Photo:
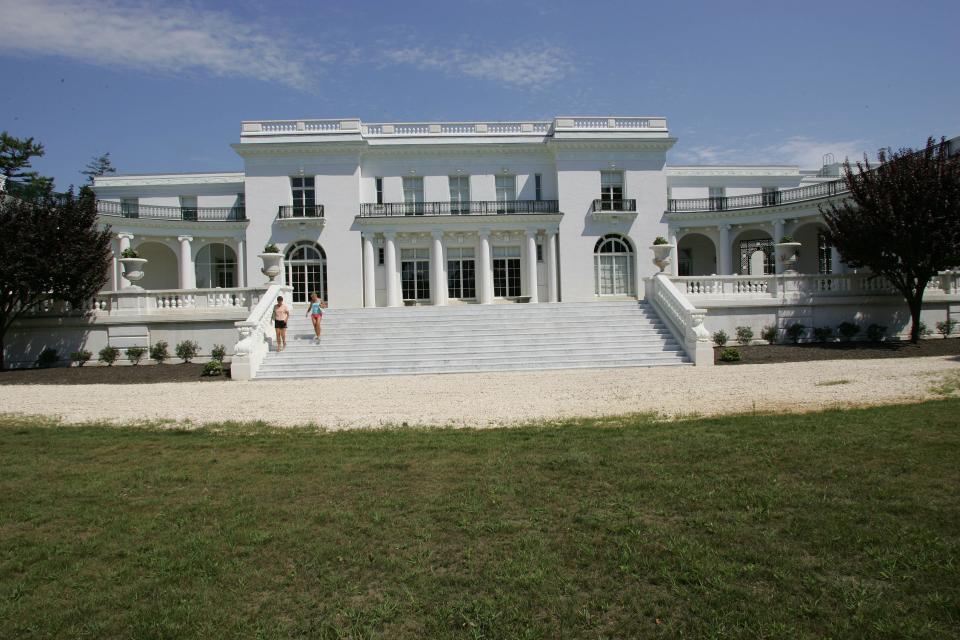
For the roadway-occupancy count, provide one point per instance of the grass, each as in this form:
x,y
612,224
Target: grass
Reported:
x,y
842,524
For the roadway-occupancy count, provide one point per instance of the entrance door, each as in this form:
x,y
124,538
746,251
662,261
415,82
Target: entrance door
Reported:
x,y
415,274
613,267
461,274
506,272
306,266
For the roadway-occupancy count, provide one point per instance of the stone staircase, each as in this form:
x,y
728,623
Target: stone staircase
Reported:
x,y
471,338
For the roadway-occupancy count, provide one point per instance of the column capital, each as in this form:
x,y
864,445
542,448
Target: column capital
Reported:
x,y
185,238
390,235
366,234
723,227
484,233
125,236
437,235
530,233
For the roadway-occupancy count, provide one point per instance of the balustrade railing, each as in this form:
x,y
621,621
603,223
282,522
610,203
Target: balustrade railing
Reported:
x,y
158,212
804,285
685,320
252,334
465,208
755,200
300,211
153,302
600,204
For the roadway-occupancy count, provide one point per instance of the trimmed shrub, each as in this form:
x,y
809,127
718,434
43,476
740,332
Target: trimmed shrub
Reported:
x,y
876,333
744,335
924,329
730,354
848,330
659,240
81,357
218,353
946,327
135,354
795,332
213,368
271,248
187,350
109,355
720,338
769,333
129,253
822,334
158,352
47,358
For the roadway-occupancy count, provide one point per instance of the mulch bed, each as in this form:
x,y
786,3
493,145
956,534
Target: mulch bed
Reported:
x,y
182,372
764,354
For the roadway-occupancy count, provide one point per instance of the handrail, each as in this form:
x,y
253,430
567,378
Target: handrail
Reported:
x,y
684,320
471,207
300,211
162,212
628,205
252,345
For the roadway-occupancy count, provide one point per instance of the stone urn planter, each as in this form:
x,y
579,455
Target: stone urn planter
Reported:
x,y
787,253
133,271
662,254
271,265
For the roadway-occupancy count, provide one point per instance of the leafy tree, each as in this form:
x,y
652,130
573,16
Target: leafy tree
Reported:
x,y
901,220
50,249
98,166
15,159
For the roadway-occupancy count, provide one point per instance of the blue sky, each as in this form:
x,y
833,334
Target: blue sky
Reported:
x,y
163,86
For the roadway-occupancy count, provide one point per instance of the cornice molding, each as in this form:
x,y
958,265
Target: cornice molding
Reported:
x,y
170,179
732,172
119,225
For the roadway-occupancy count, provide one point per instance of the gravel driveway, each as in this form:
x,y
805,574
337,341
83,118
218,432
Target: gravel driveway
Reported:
x,y
482,400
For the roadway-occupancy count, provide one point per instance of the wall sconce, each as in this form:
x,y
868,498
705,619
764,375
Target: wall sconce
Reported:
x,y
412,172
379,241
613,165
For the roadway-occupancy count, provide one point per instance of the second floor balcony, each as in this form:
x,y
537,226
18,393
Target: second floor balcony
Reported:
x,y
158,212
301,215
758,200
463,208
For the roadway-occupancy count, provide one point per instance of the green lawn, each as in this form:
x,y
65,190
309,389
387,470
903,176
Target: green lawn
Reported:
x,y
844,524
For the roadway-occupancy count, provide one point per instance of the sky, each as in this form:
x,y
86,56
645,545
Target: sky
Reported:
x,y
163,86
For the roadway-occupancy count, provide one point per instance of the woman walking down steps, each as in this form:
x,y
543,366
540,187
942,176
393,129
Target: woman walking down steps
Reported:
x,y
315,311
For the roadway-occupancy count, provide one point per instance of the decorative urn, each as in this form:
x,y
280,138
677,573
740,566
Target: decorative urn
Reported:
x,y
662,254
271,264
787,251
133,271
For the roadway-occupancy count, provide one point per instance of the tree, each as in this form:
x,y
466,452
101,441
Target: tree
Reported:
x,y
901,220
15,158
50,249
98,166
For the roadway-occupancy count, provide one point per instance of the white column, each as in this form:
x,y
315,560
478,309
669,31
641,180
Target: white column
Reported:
x,y
188,278
369,284
390,262
777,237
551,257
437,264
486,272
241,263
124,239
724,268
532,265
672,239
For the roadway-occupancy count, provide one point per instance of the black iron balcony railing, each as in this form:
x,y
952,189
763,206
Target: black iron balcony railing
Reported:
x,y
157,212
300,211
602,204
465,208
756,200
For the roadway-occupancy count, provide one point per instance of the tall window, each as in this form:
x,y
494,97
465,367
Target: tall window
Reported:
x,y
304,197
216,266
824,254
538,187
415,274
461,273
769,196
718,196
413,196
613,266
130,207
306,265
188,207
379,184
506,193
506,272
239,207
459,194
611,190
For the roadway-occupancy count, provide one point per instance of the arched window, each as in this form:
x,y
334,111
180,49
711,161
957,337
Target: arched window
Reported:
x,y
306,265
613,267
216,266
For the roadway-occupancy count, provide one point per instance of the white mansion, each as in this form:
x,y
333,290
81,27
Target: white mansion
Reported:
x,y
458,213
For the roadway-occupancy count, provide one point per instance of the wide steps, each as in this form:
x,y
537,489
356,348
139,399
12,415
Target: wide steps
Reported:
x,y
474,338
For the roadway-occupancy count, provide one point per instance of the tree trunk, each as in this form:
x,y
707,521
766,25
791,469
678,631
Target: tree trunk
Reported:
x,y
915,303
